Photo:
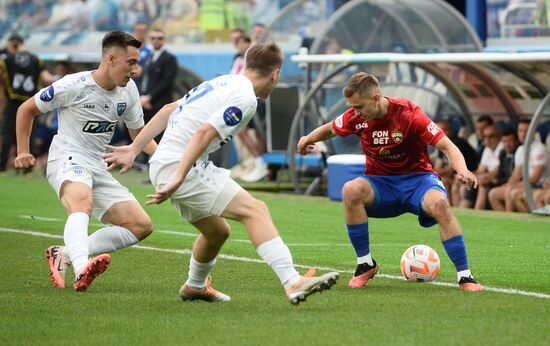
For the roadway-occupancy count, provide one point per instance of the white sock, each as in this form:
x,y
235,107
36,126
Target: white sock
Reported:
x,y
198,272
109,239
463,273
277,255
365,259
76,240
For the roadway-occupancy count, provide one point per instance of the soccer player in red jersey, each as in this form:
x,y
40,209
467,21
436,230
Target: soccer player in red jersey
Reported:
x,y
399,177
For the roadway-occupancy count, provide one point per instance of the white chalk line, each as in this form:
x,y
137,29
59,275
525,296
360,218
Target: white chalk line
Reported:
x,y
255,260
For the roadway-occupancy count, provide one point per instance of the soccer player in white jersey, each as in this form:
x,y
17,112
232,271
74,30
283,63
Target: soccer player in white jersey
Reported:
x,y
89,105
196,125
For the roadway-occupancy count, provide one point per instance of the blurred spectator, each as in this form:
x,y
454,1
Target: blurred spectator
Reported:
x,y
476,139
509,196
510,143
243,43
21,74
130,13
258,33
542,199
212,15
140,30
486,171
160,74
102,15
441,164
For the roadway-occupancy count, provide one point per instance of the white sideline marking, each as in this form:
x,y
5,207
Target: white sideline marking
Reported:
x,y
255,260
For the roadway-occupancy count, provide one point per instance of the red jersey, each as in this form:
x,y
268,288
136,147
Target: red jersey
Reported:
x,y
396,144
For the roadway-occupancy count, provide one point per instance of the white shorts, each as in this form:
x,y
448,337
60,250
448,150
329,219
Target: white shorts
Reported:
x,y
106,190
206,191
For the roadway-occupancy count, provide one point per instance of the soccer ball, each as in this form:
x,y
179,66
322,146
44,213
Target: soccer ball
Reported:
x,y
420,263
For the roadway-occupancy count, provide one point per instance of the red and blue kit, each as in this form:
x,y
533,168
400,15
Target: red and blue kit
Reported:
x,y
396,144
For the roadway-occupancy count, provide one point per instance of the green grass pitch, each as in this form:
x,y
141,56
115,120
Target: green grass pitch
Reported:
x,y
136,301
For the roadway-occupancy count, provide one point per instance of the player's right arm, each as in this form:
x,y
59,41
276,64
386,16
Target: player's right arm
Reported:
x,y
25,118
124,156
322,133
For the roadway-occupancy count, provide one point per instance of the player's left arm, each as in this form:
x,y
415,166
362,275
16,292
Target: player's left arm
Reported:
x,y
197,145
150,147
457,162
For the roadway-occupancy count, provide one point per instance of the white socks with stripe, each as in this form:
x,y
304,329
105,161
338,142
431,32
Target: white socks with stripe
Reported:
x,y
277,255
75,236
109,239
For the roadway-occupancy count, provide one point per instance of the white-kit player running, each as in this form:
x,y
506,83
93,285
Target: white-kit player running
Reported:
x,y
203,194
89,105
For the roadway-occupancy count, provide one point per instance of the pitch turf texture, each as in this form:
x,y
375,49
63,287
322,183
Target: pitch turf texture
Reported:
x,y
136,301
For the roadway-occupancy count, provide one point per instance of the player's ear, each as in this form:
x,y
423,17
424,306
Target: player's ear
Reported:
x,y
275,74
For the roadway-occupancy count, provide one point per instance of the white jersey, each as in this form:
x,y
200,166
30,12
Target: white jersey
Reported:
x,y
227,103
88,114
537,157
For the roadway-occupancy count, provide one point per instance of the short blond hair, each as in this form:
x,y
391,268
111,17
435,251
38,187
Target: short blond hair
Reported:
x,y
361,82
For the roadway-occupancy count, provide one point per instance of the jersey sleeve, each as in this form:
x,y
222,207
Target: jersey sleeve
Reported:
x,y
233,115
132,113
344,124
425,128
54,96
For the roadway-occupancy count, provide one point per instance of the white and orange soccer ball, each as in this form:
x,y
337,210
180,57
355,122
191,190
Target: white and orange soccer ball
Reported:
x,y
420,263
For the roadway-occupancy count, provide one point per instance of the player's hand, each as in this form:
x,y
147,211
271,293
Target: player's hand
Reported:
x,y
303,147
24,160
468,179
163,193
119,157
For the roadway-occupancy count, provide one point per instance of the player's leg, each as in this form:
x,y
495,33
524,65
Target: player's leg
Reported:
x,y
214,232
357,196
436,205
115,205
255,216
76,198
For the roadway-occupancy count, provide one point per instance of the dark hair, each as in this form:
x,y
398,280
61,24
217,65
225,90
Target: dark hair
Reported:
x,y
361,82
239,30
119,39
524,121
264,58
16,39
244,38
485,118
510,132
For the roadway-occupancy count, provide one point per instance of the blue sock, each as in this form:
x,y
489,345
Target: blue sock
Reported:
x,y
359,236
456,249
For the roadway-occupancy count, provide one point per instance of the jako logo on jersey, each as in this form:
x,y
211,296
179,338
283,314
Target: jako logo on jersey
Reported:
x,y
232,116
120,108
99,126
397,136
89,106
433,128
47,95
361,126
339,121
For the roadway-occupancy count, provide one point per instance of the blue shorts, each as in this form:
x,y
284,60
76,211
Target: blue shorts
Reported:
x,y
398,194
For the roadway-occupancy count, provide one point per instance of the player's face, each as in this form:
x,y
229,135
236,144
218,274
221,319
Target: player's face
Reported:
x,y
125,65
365,107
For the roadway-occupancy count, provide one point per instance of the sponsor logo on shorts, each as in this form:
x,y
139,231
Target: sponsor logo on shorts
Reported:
x,y
232,116
99,126
47,95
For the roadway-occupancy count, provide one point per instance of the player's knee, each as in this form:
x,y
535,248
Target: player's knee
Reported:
x,y
142,227
223,233
352,193
439,208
